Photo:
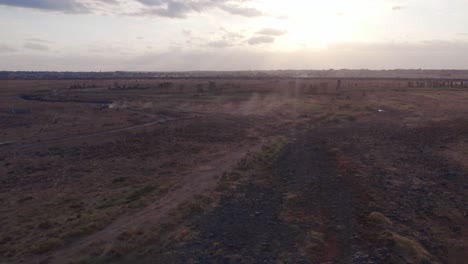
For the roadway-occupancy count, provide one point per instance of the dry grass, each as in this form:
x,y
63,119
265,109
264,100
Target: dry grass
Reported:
x,y
175,229
459,153
317,238
407,250
46,245
379,219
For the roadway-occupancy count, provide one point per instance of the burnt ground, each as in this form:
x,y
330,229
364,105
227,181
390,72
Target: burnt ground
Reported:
x,y
360,176
282,213
374,192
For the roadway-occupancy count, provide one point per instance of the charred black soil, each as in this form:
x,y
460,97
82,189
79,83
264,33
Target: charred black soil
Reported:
x,y
373,192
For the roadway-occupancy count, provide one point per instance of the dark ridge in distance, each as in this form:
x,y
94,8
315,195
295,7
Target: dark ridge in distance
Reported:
x,y
274,74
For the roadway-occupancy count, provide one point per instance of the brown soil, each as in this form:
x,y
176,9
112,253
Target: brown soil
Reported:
x,y
177,173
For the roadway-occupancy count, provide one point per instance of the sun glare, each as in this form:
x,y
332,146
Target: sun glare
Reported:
x,y
317,24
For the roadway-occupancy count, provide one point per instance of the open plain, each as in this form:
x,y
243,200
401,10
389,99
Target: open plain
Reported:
x,y
233,171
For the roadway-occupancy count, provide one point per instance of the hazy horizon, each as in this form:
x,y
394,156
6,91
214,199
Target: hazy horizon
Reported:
x,y
232,35
251,70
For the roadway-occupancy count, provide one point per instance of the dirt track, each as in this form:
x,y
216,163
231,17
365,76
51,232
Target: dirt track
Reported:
x,y
201,181
254,228
317,202
31,143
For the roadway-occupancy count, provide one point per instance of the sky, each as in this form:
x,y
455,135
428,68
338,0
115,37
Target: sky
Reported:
x,y
186,35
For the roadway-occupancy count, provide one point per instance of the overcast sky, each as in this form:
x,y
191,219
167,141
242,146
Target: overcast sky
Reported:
x,y
166,35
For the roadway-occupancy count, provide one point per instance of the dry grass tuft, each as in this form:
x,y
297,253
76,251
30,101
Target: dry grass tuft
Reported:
x,y
379,219
407,250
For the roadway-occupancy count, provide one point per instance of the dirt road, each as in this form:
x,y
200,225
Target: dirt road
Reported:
x,y
201,181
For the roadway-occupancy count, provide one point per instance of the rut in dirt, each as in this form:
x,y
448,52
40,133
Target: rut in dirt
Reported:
x,y
310,168
259,224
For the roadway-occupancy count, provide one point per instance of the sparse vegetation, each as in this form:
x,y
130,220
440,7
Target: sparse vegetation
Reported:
x,y
406,249
379,219
263,158
174,171
46,245
316,238
138,194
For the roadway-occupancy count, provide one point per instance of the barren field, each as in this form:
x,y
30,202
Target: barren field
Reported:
x,y
233,171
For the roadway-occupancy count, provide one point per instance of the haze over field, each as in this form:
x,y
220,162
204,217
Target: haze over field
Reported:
x,y
233,131
82,35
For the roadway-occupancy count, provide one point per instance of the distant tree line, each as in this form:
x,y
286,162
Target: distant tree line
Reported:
x,y
82,86
117,86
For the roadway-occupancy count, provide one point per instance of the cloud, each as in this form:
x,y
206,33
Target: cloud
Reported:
x,y
175,9
241,11
163,8
36,46
219,44
67,6
430,46
433,54
6,48
110,48
227,39
38,40
231,36
151,2
181,8
271,32
218,39
261,40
